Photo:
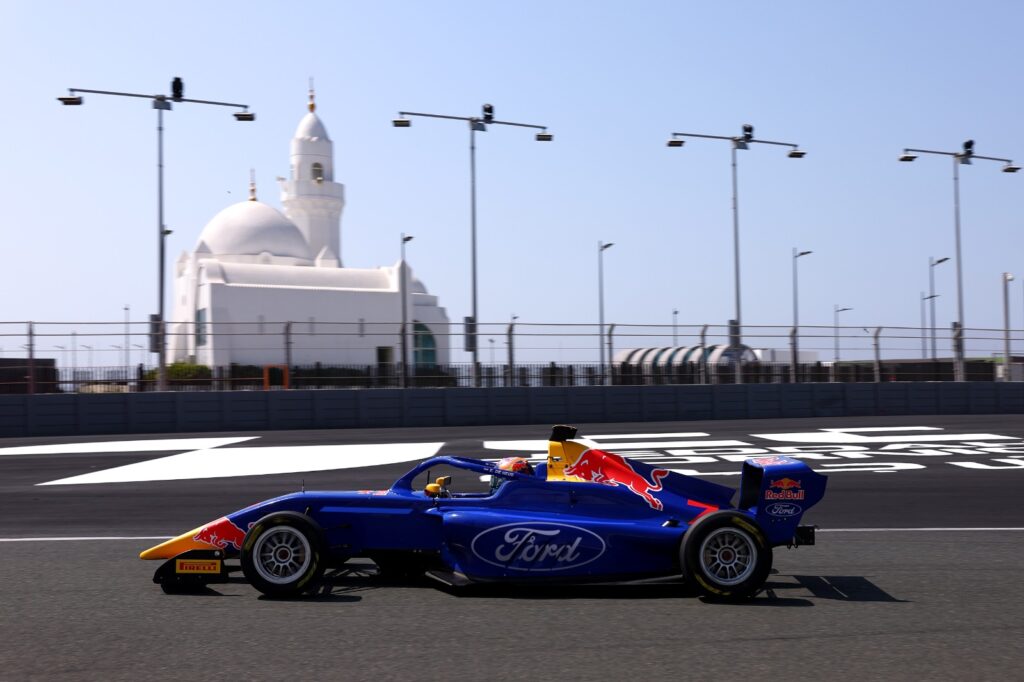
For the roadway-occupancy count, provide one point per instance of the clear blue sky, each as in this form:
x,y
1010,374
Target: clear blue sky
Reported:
x,y
851,82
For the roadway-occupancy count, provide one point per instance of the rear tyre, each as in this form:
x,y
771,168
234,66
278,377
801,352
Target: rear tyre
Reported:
x,y
726,557
282,555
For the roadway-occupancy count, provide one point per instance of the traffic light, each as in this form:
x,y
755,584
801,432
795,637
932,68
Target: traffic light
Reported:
x,y
488,113
177,89
748,132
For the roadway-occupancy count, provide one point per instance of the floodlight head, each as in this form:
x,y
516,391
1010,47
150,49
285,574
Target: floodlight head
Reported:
x,y
804,253
748,132
177,89
1008,276
70,101
796,154
968,147
607,246
907,156
406,238
544,136
401,122
488,110
1010,168
245,116
676,142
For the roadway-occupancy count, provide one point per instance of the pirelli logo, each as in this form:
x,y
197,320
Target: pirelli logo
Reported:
x,y
202,566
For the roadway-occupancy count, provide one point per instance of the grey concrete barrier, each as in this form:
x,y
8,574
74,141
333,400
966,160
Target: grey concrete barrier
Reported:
x,y
125,413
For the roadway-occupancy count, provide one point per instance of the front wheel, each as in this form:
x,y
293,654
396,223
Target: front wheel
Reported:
x,y
726,555
282,555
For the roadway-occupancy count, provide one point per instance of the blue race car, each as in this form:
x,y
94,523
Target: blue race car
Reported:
x,y
585,515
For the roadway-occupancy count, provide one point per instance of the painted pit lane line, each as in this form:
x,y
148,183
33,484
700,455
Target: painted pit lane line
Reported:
x,y
819,530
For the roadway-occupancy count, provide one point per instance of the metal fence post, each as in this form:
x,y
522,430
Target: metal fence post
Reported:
x,y
878,356
703,367
288,346
31,360
792,354
611,370
511,355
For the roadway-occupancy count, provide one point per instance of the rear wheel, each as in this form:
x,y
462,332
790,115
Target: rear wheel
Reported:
x,y
726,556
282,555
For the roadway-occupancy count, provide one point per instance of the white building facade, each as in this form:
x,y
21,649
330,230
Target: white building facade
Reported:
x,y
264,287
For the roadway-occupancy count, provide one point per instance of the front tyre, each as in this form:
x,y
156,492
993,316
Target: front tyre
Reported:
x,y
726,556
282,555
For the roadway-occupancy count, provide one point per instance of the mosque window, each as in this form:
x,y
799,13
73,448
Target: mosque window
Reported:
x,y
425,346
201,327
318,172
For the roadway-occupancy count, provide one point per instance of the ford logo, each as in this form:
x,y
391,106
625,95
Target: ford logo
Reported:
x,y
537,546
783,509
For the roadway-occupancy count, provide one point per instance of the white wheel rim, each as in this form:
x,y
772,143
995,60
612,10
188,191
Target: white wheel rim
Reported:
x,y
281,555
728,556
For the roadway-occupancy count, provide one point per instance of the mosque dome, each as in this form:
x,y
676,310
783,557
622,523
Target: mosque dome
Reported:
x,y
311,128
250,228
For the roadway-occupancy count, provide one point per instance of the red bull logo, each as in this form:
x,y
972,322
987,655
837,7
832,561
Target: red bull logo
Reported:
x,y
788,489
220,534
604,467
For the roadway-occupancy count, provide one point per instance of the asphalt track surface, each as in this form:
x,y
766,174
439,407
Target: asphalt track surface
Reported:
x,y
877,598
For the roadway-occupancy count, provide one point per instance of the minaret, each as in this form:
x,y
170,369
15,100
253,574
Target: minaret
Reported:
x,y
310,197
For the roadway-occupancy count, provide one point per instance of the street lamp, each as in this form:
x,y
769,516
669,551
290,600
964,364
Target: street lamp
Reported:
x,y
797,254
737,142
1007,278
964,156
835,328
601,247
476,124
402,277
932,262
161,103
924,347
675,317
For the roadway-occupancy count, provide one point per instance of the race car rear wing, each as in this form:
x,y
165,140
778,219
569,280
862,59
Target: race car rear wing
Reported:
x,y
777,491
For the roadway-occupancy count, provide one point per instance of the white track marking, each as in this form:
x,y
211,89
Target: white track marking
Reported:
x,y
257,461
158,445
912,530
819,530
602,436
89,538
832,436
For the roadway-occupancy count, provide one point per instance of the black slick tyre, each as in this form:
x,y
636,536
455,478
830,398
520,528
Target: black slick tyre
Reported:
x,y
725,556
283,555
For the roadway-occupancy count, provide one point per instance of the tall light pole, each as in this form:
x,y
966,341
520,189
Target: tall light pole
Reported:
x,y
601,247
402,277
161,103
675,334
737,142
797,254
835,327
476,123
964,156
127,346
924,346
1007,278
932,262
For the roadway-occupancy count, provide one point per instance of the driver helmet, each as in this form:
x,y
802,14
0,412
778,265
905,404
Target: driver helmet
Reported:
x,y
519,465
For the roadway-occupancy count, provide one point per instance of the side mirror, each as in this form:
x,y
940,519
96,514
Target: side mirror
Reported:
x,y
444,481
432,489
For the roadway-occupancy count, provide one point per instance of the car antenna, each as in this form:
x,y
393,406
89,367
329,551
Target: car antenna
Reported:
x,y
303,485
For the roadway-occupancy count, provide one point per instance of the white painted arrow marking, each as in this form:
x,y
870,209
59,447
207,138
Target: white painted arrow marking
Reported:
x,y
258,462
155,445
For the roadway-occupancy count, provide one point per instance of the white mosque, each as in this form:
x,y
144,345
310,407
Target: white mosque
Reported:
x,y
263,288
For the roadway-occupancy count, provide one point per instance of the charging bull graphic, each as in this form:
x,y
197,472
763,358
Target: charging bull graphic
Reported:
x,y
604,467
220,534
